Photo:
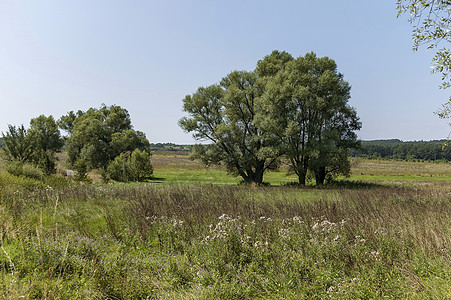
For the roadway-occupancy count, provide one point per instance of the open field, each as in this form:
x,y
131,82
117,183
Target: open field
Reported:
x,y
178,168
210,238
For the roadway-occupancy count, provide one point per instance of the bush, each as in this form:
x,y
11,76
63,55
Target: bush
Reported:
x,y
135,166
81,169
19,168
47,162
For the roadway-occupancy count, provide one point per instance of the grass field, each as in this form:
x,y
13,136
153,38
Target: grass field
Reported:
x,y
178,168
194,233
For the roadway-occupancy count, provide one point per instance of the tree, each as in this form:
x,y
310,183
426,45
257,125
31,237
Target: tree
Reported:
x,y
37,145
432,27
293,107
44,134
305,108
17,146
98,136
224,115
67,122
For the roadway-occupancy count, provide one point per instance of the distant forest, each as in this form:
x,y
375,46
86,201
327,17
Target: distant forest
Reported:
x,y
397,149
162,147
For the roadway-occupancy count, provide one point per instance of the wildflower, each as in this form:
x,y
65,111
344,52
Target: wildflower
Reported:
x,y
315,226
331,289
297,220
284,233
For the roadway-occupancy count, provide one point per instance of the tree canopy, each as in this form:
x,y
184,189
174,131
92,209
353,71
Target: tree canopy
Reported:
x,y
224,115
98,136
17,146
36,145
305,105
292,107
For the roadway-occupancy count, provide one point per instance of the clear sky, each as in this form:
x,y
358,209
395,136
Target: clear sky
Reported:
x,y
57,56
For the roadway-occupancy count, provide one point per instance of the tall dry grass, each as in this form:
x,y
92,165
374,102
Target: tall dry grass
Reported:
x,y
349,241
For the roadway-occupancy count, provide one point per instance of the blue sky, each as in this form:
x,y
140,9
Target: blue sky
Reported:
x,y
57,56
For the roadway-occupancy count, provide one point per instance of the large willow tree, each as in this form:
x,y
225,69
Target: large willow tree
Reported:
x,y
292,107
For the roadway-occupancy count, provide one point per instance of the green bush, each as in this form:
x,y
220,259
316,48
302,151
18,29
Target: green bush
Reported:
x,y
81,169
47,162
135,166
18,168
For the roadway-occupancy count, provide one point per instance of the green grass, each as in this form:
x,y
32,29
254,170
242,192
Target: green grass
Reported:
x,y
178,169
398,178
225,242
213,176
194,233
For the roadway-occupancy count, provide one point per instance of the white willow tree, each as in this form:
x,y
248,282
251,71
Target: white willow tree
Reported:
x,y
292,107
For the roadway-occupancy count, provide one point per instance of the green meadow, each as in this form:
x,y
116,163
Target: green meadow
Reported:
x,y
198,233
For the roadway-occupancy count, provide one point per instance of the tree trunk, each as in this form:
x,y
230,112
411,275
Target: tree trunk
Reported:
x,y
301,177
320,175
301,170
251,176
258,179
258,173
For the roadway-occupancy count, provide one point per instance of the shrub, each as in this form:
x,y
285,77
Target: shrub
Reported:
x,y
19,168
81,169
47,162
135,166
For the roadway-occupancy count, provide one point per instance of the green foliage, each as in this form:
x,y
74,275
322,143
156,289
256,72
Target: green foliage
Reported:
x,y
67,122
432,27
99,135
224,114
135,166
19,168
36,145
17,145
396,149
305,108
81,169
44,134
297,107
46,161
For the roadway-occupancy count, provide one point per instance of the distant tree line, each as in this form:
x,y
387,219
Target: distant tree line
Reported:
x,y
170,147
397,149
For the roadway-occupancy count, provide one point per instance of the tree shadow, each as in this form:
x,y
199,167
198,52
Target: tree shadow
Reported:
x,y
156,179
343,184
354,184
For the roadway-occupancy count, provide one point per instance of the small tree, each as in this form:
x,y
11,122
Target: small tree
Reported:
x,y
98,136
17,146
81,170
46,140
140,164
36,145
